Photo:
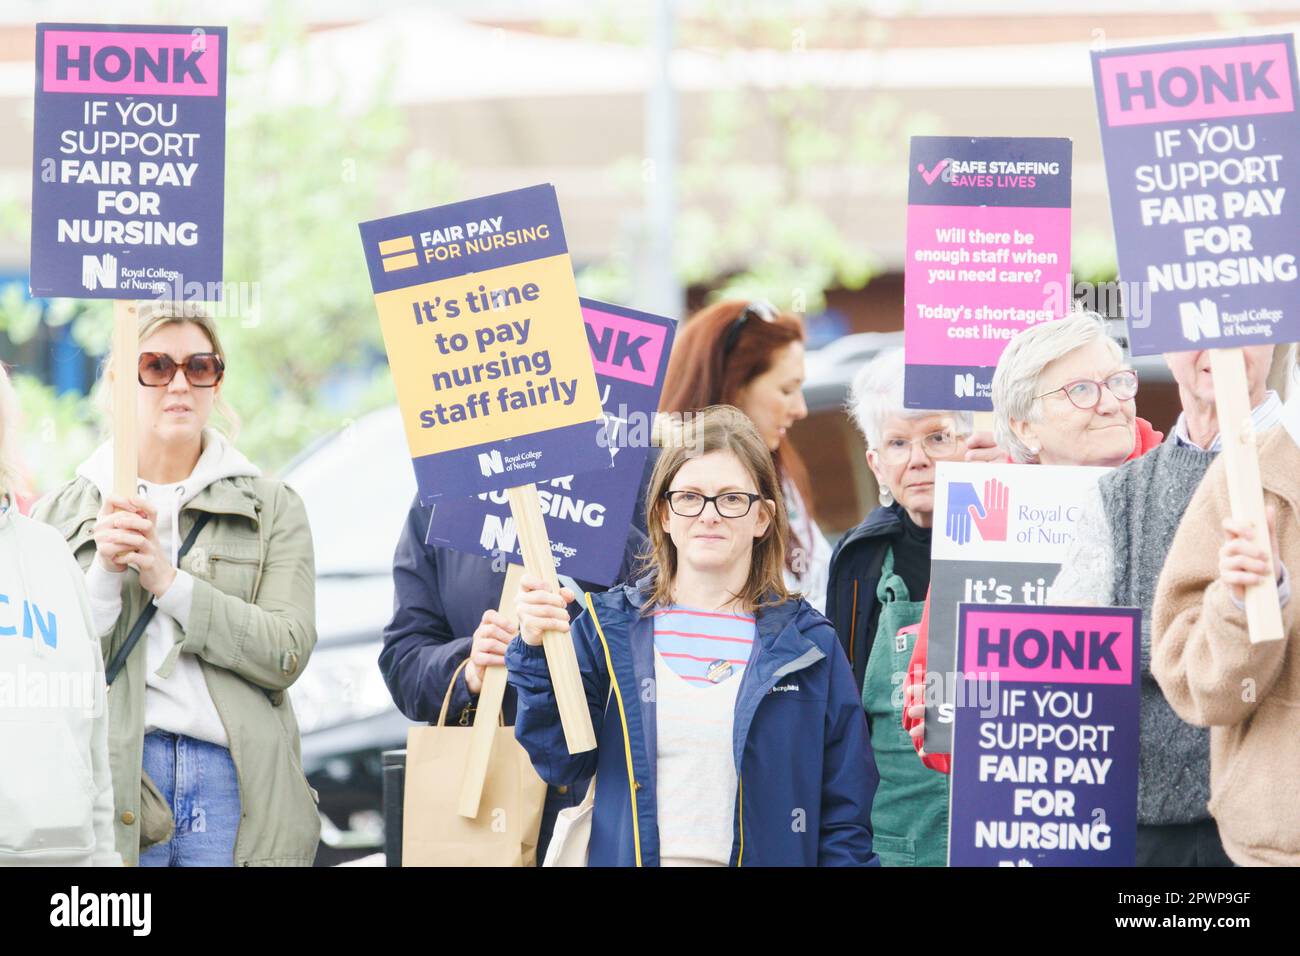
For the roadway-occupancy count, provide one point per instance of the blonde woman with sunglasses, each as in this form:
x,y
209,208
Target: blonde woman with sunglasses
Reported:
x,y
202,592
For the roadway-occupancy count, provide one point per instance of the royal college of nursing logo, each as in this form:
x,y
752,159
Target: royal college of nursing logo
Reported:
x,y
988,514
1200,320
99,272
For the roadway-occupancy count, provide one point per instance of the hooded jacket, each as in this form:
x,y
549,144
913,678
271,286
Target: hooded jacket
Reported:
x,y
56,791
806,774
251,627
179,703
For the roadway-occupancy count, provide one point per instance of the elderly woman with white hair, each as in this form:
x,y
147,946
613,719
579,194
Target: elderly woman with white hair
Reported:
x,y
56,791
1063,395
879,575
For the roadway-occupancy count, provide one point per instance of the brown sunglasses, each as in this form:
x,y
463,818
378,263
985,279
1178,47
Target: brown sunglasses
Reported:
x,y
202,369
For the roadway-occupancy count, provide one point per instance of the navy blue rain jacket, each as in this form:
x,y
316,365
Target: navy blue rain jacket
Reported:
x,y
807,777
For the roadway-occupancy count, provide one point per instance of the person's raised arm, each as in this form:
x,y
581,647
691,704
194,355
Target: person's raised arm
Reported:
x,y
1201,653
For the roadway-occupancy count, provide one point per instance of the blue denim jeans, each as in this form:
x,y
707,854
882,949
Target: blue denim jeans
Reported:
x,y
198,781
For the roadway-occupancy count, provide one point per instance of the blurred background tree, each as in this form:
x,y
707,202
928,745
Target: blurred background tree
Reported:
x,y
750,230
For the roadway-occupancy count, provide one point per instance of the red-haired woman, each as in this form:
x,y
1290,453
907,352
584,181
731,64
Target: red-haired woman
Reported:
x,y
749,355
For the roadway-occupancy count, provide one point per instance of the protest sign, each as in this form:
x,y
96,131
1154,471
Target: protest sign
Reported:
x,y
128,169
1001,532
988,256
494,378
485,339
128,178
1196,137
589,514
1045,754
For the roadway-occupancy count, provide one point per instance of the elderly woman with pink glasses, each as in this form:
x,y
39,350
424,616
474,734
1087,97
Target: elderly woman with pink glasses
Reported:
x,y
1062,395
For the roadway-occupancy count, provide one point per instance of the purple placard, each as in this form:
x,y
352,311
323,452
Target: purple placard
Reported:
x,y
1045,743
1199,140
587,515
988,256
129,152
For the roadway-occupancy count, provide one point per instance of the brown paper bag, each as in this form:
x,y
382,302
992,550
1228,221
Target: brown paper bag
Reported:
x,y
510,813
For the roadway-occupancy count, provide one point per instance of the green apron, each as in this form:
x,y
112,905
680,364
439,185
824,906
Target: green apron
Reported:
x,y
909,815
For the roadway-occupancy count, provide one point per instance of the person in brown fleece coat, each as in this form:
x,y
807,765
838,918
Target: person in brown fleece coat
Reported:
x,y
1210,672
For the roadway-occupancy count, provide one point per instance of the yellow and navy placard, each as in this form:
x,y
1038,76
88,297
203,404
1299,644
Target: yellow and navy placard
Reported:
x,y
486,341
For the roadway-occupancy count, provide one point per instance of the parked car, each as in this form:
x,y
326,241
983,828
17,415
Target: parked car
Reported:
x,y
357,485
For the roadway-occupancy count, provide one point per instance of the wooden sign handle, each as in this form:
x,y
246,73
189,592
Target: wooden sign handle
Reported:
x,y
490,698
570,697
1245,493
126,344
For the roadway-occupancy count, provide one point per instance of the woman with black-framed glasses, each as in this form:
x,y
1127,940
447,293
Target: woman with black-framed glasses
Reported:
x,y
202,593
727,722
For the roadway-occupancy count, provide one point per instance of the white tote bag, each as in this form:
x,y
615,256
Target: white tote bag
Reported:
x,y
572,834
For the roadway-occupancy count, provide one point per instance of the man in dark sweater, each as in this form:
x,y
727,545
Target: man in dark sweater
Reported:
x,y
1124,532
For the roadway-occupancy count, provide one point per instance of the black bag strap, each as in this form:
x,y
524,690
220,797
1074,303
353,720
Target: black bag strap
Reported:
x,y
119,659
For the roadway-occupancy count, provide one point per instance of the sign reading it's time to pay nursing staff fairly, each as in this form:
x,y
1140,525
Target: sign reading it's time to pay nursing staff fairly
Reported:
x,y
128,161
485,338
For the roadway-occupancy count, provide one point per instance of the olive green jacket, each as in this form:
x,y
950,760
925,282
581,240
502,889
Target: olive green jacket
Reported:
x,y
252,626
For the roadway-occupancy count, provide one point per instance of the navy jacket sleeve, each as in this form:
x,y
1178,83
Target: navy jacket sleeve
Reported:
x,y
832,593
420,650
537,718
849,775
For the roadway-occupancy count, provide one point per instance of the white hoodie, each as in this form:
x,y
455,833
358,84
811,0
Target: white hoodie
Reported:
x,y
56,789
179,703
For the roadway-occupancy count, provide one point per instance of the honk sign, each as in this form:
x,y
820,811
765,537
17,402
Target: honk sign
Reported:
x,y
1200,140
1045,754
485,338
128,170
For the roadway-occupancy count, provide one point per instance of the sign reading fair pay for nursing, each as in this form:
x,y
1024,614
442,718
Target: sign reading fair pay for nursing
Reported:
x,y
485,338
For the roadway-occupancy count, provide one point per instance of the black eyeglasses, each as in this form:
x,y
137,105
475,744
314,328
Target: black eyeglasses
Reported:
x,y
760,310
1085,393
729,504
202,369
